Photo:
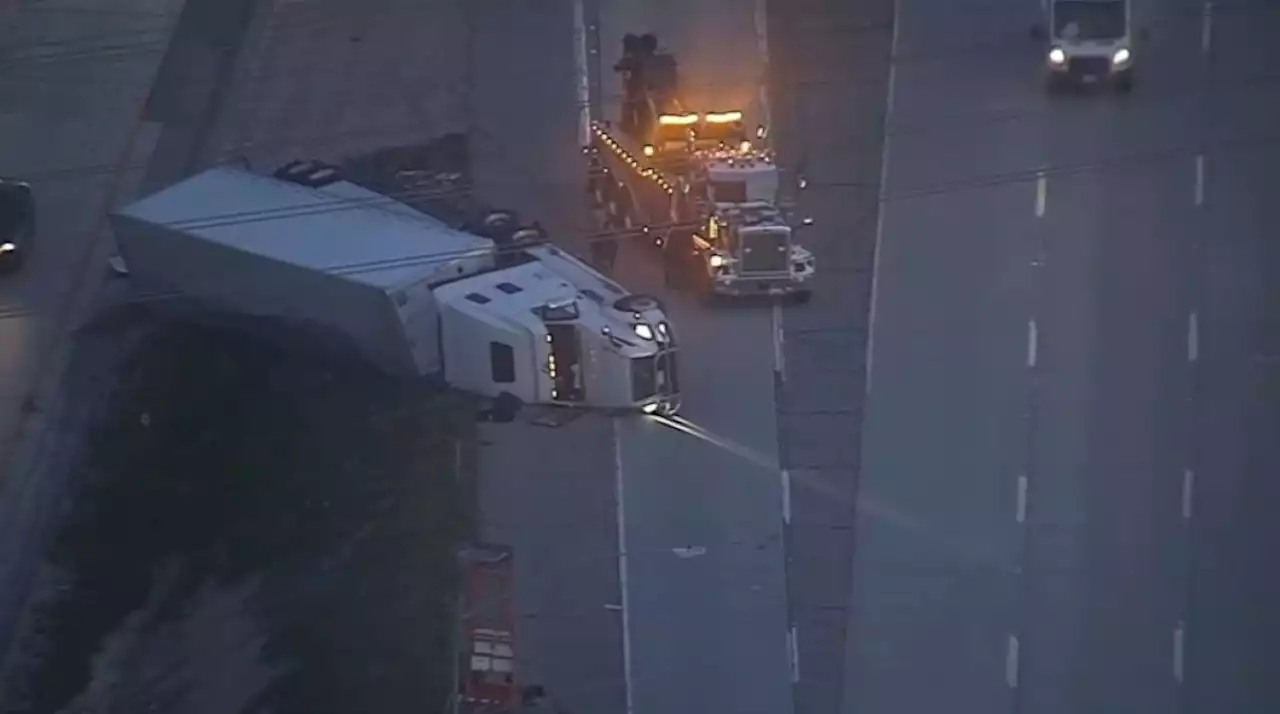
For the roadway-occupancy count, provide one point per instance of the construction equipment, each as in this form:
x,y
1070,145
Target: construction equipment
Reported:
x,y
495,309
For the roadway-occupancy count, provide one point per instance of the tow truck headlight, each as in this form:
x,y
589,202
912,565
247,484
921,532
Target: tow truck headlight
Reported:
x,y
650,408
716,261
648,150
643,330
7,247
1121,57
1057,57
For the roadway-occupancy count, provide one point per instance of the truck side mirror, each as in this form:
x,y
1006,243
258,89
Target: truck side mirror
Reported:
x,y
1038,32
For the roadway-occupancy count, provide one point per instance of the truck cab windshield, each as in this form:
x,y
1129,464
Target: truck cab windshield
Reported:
x,y
1082,20
653,376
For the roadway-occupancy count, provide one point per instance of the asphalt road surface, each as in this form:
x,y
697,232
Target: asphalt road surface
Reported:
x,y
828,66
1068,423
703,518
73,81
1233,626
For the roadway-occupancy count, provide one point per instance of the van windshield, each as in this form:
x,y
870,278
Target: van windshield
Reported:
x,y
1089,20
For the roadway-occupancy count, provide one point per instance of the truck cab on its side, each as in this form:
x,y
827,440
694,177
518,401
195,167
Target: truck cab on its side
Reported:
x,y
1088,42
551,330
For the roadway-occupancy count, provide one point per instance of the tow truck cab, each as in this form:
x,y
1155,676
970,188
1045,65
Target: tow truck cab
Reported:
x,y
750,250
1088,42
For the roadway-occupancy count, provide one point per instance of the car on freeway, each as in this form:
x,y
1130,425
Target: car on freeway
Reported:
x,y
17,223
1088,43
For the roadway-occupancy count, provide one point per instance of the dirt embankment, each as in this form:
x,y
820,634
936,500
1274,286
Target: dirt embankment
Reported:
x,y
254,531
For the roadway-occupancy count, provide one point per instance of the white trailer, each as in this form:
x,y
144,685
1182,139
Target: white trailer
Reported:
x,y
411,294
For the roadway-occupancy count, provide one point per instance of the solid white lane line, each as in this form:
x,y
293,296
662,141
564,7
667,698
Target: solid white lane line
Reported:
x,y
1021,514
793,653
786,496
620,504
1042,193
1206,28
1193,338
1011,662
779,353
1188,488
760,19
1033,343
1179,644
1200,179
884,185
581,72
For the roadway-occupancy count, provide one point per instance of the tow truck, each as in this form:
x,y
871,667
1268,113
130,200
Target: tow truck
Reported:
x,y
746,244
696,185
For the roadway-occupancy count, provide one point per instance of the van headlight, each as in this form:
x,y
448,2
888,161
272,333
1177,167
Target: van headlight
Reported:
x,y
716,260
1057,57
1121,57
643,330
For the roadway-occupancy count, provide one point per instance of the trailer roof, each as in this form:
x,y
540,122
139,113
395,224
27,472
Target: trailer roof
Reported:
x,y
341,228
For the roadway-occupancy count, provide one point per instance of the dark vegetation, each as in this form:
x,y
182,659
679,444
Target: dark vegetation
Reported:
x,y
337,490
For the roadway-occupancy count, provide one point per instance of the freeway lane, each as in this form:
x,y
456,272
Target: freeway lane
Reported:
x,y
944,435
708,631
1105,573
1233,625
1076,611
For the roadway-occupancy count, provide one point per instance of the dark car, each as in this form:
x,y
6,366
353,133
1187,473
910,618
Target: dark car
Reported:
x,y
17,223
